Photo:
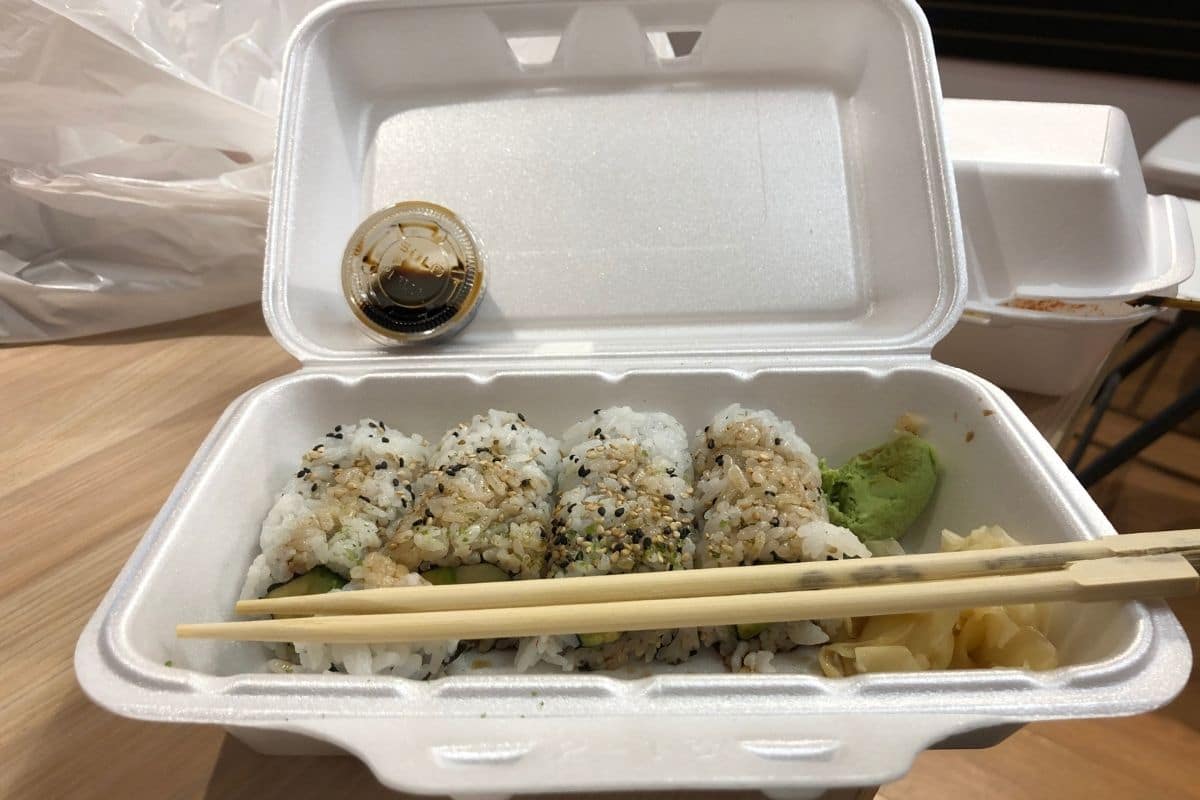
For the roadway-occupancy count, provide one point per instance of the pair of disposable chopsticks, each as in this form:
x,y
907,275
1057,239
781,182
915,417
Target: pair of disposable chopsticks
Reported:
x,y
1130,567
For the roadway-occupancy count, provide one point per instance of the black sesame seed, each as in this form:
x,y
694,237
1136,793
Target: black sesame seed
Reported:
x,y
370,424
720,460
337,427
596,432
337,466
520,416
711,444
482,449
364,499
596,411
332,436
570,508
601,511
769,493
620,512
685,530
400,462
525,483
513,426
671,471
669,496
395,481
774,522
583,472
300,474
385,440
778,441
338,436
313,488
618,547
441,488
381,465
560,540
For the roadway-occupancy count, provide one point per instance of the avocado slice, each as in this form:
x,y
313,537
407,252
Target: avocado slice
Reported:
x,y
317,580
748,630
480,573
467,573
441,576
597,639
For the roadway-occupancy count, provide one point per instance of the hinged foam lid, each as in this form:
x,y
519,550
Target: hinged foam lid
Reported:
x,y
782,190
1054,205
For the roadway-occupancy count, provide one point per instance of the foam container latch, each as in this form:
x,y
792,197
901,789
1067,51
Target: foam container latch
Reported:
x,y
770,219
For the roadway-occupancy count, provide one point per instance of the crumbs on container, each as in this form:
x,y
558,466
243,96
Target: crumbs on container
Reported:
x,y
480,663
987,412
970,436
911,422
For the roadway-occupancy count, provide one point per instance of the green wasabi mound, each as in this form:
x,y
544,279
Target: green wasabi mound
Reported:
x,y
879,493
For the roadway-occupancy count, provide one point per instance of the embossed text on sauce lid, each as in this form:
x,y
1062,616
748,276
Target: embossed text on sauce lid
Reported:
x,y
412,272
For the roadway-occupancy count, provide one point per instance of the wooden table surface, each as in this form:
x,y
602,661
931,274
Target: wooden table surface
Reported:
x,y
100,430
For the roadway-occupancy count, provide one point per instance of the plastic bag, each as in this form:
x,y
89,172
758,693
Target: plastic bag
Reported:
x,y
135,156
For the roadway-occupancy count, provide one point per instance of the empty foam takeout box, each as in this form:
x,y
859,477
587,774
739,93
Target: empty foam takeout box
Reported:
x,y
770,220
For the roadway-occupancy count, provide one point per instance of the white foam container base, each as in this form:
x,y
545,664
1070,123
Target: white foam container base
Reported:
x,y
693,727
1051,353
812,276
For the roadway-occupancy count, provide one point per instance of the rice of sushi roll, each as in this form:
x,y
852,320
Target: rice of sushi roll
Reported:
x,y
323,533
486,500
628,508
659,436
759,493
350,488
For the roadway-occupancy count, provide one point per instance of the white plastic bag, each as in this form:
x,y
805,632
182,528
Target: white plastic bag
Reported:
x,y
135,157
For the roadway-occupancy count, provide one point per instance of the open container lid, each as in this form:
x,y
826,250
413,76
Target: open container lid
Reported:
x,y
782,189
1054,205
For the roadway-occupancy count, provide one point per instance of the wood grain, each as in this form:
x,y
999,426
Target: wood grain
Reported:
x,y
99,431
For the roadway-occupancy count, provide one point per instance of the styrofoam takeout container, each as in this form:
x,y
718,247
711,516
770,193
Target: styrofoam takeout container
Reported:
x,y
1054,205
800,251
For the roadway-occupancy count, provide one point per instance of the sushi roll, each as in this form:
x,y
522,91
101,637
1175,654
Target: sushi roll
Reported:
x,y
348,491
323,534
628,508
760,501
482,512
759,495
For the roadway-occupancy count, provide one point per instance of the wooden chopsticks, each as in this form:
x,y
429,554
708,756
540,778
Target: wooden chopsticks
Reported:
x,y
728,580
1131,578
1134,566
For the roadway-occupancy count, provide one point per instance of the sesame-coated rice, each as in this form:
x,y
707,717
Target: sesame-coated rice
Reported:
x,y
488,499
